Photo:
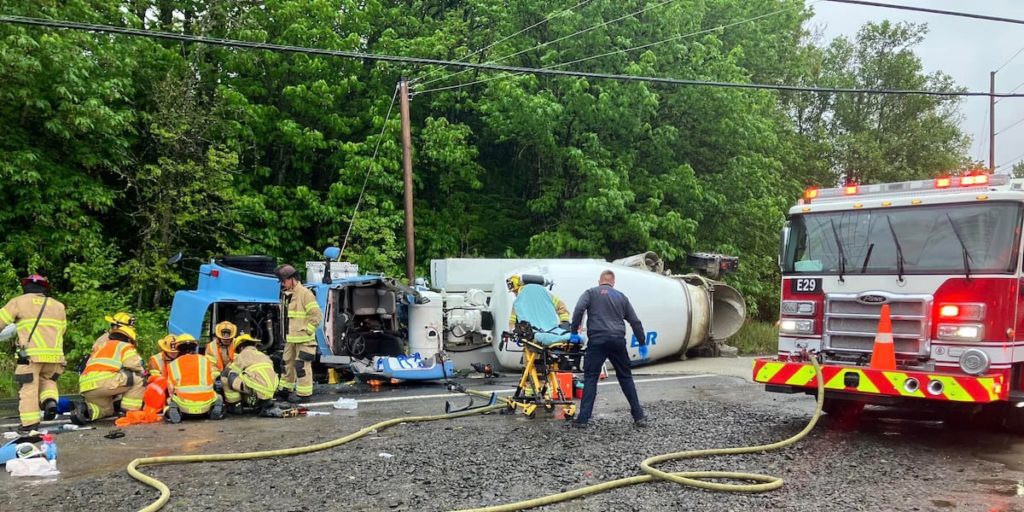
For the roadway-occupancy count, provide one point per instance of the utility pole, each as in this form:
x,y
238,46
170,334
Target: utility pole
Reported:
x,y
992,122
410,239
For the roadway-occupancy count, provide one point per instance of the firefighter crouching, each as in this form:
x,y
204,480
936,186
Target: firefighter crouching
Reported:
x,y
113,372
190,384
304,316
158,362
41,323
249,376
119,319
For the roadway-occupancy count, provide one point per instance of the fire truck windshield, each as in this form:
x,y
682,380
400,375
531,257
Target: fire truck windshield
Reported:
x,y
929,240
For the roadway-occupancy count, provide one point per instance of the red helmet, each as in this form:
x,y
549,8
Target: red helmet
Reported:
x,y
36,279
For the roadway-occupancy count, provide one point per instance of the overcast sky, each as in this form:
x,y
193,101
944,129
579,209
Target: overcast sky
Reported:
x,y
965,49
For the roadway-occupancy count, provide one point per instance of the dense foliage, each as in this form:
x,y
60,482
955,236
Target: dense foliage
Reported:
x,y
119,151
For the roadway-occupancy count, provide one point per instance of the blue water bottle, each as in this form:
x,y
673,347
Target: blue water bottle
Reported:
x,y
50,448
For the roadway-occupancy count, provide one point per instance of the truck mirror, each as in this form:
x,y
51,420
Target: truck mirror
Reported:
x,y
173,260
783,242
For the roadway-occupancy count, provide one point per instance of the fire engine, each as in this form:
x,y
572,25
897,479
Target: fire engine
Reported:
x,y
945,255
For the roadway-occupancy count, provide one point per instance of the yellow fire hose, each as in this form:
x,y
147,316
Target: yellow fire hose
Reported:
x,y
690,478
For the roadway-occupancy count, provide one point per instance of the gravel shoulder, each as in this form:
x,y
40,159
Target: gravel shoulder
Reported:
x,y
883,464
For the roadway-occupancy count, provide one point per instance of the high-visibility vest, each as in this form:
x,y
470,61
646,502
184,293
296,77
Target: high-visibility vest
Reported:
x,y
157,364
47,343
217,356
104,363
190,381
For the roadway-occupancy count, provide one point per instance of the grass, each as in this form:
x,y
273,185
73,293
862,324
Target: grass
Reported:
x,y
756,338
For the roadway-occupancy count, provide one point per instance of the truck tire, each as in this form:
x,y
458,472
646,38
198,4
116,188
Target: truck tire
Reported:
x,y
1013,419
843,411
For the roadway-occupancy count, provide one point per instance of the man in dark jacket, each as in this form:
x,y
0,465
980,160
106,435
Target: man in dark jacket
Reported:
x,y
606,309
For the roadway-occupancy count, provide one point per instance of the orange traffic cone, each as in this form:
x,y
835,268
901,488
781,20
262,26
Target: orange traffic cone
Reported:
x,y
883,356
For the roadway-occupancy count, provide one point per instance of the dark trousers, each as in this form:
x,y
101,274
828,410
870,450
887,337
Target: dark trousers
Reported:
x,y
613,350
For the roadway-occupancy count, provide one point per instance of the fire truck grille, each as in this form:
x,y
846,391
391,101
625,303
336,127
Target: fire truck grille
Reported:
x,y
850,324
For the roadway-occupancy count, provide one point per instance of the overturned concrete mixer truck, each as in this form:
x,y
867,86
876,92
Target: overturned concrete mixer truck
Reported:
x,y
377,327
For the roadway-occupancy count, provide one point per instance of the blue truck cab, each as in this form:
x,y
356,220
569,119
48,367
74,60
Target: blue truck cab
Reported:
x,y
363,314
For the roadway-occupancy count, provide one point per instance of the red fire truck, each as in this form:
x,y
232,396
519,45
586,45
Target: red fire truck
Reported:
x,y
945,255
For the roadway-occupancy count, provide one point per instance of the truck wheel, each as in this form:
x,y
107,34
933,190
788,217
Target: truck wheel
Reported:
x,y
843,411
1013,419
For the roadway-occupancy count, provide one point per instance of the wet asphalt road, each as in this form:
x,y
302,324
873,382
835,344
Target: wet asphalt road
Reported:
x,y
884,462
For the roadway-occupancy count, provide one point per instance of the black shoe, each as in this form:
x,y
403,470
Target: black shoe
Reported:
x,y
24,430
236,409
217,412
172,415
576,424
80,414
49,410
640,422
281,395
296,399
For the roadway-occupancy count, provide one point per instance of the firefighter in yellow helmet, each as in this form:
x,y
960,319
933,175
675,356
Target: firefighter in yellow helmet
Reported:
x,y
304,316
190,384
217,349
516,282
40,323
168,351
113,372
249,375
116,320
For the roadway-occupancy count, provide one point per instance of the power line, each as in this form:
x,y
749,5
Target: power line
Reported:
x,y
421,61
1011,161
1000,68
626,50
366,178
506,38
932,11
1019,121
563,38
1018,87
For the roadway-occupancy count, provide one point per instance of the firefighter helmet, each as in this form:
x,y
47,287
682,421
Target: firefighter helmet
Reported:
x,y
514,283
168,345
187,344
225,330
120,318
285,272
124,333
242,341
36,279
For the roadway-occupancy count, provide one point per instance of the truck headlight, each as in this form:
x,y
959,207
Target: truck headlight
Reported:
x,y
794,326
974,361
797,307
961,332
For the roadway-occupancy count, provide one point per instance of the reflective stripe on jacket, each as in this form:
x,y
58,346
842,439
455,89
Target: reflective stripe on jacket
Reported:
x,y
256,371
47,343
190,383
217,356
304,315
106,362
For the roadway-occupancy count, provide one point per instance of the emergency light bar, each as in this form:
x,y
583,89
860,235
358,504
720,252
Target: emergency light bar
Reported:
x,y
945,184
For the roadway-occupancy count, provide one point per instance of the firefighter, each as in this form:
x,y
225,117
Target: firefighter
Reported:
x,y
118,320
190,384
217,349
158,362
304,316
40,322
250,373
515,283
113,373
